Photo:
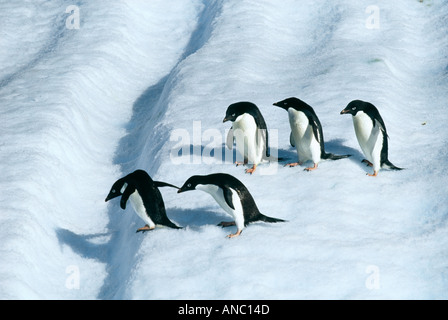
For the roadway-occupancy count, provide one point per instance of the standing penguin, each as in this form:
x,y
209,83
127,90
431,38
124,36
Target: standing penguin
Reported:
x,y
306,133
250,132
371,134
145,198
232,196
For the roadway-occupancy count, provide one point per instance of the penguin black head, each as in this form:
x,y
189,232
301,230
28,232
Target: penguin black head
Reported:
x,y
285,104
237,109
293,102
190,184
116,190
355,106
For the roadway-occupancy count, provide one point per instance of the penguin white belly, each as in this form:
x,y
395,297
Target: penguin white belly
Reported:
x,y
308,148
370,138
245,133
139,208
218,194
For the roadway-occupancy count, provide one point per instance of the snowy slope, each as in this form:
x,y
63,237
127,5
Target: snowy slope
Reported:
x,y
140,80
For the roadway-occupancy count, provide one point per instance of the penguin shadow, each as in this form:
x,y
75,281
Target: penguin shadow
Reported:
x,y
194,219
224,155
283,156
92,246
103,247
336,146
287,156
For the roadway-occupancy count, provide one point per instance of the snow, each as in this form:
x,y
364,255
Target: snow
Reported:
x,y
82,107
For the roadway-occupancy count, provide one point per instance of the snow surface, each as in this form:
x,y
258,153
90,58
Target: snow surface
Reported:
x,y
81,108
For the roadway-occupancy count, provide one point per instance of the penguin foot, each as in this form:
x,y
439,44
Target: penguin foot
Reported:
x,y
251,170
233,235
370,164
240,163
375,173
291,165
144,229
311,168
226,224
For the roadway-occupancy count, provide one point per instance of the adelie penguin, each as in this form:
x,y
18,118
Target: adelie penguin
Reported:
x,y
371,133
306,133
250,132
145,198
232,196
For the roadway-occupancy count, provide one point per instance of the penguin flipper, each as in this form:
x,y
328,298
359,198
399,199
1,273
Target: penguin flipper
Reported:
x,y
161,184
228,197
262,138
291,140
230,138
379,121
317,130
126,194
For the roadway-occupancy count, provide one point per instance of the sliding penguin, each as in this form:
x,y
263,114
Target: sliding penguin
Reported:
x,y
145,198
371,134
250,132
306,133
232,196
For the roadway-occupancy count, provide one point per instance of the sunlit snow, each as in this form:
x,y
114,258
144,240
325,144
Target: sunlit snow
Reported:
x,y
93,90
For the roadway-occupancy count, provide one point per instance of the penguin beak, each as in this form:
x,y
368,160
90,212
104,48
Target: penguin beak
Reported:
x,y
277,104
225,120
111,196
344,111
183,189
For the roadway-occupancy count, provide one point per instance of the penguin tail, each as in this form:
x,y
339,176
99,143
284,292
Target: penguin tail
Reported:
x,y
270,219
172,225
391,166
331,156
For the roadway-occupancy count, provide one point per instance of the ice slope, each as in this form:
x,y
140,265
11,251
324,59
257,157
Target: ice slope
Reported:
x,y
82,107
67,98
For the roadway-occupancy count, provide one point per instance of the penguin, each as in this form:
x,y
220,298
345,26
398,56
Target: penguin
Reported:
x,y
306,133
145,198
232,196
250,132
371,133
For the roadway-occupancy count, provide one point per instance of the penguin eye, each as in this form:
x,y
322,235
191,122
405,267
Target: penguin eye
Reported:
x,y
354,108
233,114
189,185
113,191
